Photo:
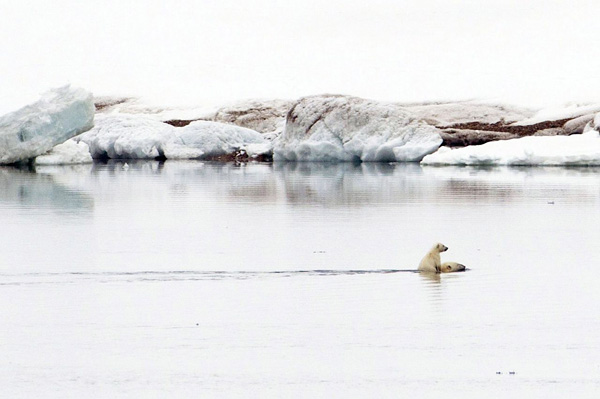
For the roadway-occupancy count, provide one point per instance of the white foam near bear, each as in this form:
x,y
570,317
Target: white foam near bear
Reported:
x,y
431,262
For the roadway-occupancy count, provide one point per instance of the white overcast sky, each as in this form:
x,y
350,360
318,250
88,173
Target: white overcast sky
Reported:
x,y
197,51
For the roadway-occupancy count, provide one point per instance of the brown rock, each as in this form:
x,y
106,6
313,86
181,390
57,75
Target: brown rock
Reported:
x,y
465,137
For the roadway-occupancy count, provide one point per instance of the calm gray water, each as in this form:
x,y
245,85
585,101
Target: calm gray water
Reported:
x,y
208,280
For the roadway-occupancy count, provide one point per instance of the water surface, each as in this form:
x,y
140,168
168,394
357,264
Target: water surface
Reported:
x,y
189,278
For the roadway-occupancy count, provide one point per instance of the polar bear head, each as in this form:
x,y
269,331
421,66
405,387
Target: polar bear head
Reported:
x,y
449,267
440,247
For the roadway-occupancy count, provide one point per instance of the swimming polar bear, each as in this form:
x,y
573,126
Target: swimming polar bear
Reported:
x,y
432,263
449,267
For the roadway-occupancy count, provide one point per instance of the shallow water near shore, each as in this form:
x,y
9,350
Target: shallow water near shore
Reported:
x,y
291,280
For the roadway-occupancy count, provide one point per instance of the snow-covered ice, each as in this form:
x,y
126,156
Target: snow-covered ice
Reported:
x,y
202,138
450,113
68,153
154,109
557,113
581,149
329,128
126,136
36,128
595,123
342,128
264,116
121,136
317,128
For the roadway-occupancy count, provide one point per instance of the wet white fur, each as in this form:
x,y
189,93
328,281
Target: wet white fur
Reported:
x,y
449,267
431,262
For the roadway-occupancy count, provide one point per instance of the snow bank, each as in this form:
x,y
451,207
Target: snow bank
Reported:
x,y
126,137
557,113
264,116
202,139
582,149
121,136
34,129
595,124
68,153
446,114
152,109
342,128
336,128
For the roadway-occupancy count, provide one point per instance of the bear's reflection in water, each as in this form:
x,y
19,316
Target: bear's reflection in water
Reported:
x,y
431,277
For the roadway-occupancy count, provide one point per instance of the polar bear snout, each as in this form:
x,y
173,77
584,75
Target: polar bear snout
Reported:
x,y
461,267
449,267
442,247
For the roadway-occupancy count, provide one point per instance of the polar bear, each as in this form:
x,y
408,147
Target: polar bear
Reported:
x,y
431,262
449,267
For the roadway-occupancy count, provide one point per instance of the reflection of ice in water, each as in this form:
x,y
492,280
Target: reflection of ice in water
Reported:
x,y
32,191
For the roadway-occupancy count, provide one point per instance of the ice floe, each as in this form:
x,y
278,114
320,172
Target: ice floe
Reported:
x,y
201,139
121,136
126,137
343,128
575,150
68,153
36,128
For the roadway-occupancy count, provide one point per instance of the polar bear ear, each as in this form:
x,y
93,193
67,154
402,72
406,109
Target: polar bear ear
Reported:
x,y
448,267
